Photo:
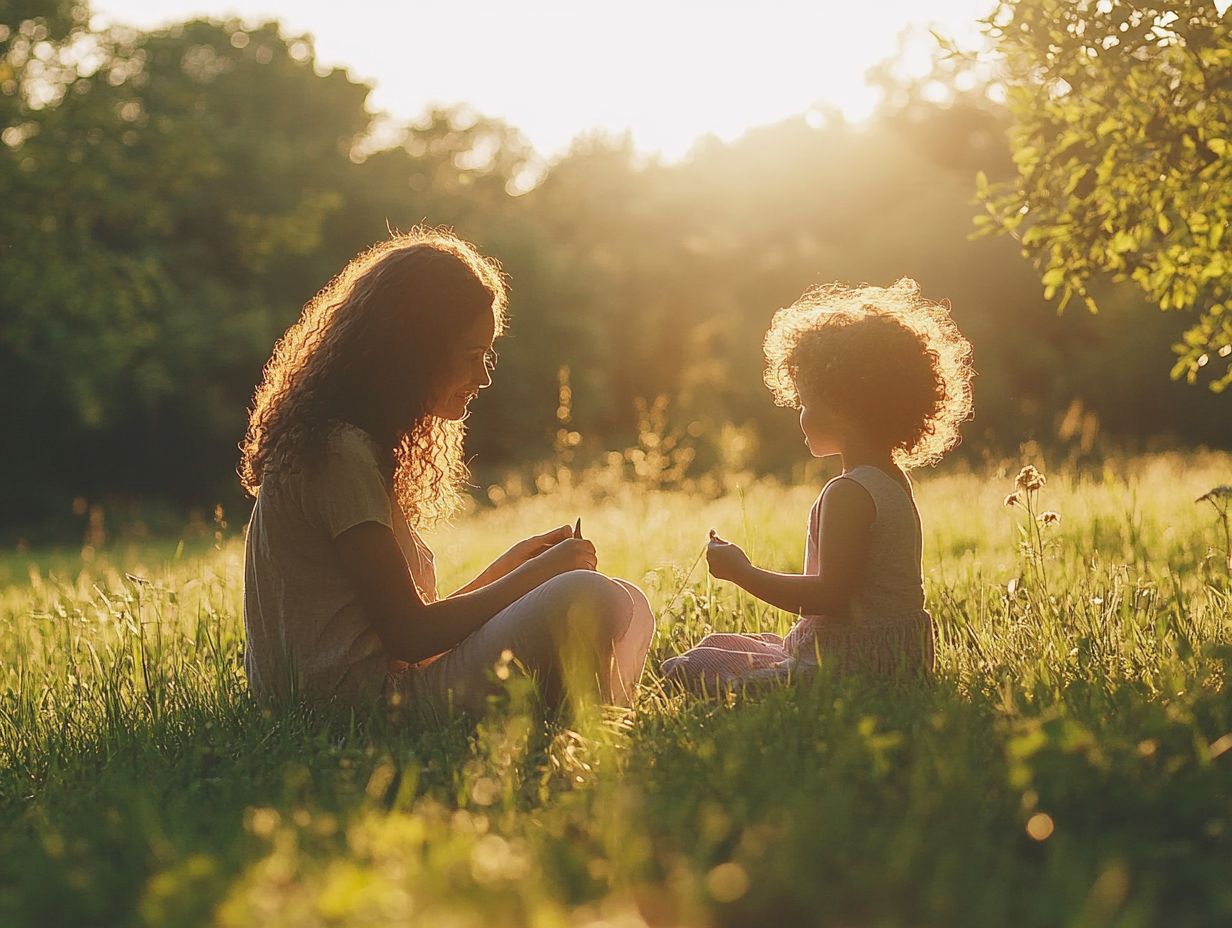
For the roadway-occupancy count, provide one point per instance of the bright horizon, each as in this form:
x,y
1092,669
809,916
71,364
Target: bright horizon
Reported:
x,y
667,73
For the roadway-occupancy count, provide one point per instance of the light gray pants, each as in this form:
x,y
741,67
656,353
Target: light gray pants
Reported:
x,y
580,634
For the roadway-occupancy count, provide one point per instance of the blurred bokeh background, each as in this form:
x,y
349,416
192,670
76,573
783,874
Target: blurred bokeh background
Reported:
x,y
174,189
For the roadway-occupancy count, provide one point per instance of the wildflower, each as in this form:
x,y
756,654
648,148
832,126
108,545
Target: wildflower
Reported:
x,y
1050,517
1220,498
1223,491
1029,478
1014,499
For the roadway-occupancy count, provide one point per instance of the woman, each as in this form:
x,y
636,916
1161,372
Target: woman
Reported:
x,y
354,443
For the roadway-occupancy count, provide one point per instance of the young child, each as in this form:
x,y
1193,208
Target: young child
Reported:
x,y
882,377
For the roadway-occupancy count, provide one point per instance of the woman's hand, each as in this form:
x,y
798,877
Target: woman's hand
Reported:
x,y
725,560
569,554
534,546
528,549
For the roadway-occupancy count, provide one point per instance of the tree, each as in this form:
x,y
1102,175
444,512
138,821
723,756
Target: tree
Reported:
x,y
33,70
163,222
1122,139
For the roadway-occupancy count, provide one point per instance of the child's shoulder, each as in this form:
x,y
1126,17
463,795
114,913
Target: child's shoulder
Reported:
x,y
844,495
877,481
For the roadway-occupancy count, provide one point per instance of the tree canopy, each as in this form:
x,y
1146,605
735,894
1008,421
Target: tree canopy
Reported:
x,y
172,199
1122,143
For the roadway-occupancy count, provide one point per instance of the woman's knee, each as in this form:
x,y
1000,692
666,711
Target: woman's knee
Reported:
x,y
596,600
642,625
635,593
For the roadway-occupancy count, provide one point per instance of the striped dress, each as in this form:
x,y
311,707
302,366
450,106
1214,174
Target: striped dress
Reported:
x,y
885,632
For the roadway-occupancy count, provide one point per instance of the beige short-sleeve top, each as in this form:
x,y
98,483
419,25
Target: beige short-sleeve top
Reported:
x,y
307,632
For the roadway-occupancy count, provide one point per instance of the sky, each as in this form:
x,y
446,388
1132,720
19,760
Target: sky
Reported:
x,y
668,71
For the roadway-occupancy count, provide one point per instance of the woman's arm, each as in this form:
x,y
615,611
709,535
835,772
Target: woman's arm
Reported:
x,y
517,555
846,518
412,630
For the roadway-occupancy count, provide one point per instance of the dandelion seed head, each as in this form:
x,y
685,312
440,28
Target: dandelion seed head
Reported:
x,y
1029,478
1223,491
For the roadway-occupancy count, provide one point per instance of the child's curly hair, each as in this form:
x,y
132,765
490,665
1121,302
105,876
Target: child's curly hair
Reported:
x,y
382,328
884,356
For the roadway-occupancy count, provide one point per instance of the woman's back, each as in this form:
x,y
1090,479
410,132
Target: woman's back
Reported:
x,y
306,628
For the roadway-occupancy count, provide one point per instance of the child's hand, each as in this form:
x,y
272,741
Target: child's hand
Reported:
x,y
725,560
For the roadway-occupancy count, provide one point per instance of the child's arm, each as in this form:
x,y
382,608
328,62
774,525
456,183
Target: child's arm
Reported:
x,y
846,518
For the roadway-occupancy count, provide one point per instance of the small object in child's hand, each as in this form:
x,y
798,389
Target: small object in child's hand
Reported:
x,y
714,536
577,529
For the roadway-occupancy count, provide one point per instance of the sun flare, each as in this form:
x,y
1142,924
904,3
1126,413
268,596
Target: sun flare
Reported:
x,y
667,73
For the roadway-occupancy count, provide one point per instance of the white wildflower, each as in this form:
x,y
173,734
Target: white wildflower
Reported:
x,y
1223,491
1030,479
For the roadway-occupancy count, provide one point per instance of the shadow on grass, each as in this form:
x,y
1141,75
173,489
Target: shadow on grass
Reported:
x,y
828,802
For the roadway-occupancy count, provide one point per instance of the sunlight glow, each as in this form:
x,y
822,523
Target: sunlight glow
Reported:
x,y
667,72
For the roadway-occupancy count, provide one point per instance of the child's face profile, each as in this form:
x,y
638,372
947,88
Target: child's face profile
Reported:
x,y
468,370
822,427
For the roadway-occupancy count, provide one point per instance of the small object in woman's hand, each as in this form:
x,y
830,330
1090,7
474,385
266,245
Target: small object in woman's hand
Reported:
x,y
577,529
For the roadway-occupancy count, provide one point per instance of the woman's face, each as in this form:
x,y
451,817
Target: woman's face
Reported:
x,y
467,371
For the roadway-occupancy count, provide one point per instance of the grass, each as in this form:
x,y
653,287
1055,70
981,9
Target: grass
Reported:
x,y
1070,765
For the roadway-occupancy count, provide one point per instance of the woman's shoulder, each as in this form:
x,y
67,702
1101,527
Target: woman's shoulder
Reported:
x,y
347,443
343,436
337,444
341,454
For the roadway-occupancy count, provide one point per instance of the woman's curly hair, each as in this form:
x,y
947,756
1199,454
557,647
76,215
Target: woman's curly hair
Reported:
x,y
883,356
380,333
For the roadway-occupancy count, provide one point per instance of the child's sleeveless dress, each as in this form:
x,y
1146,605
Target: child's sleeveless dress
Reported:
x,y
886,631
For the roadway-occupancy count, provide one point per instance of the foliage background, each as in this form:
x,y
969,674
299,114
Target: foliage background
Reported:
x,y
167,203
172,198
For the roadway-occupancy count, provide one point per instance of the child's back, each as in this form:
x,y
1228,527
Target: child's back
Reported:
x,y
886,629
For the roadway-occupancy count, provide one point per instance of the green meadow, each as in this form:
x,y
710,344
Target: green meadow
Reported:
x,y
1070,764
